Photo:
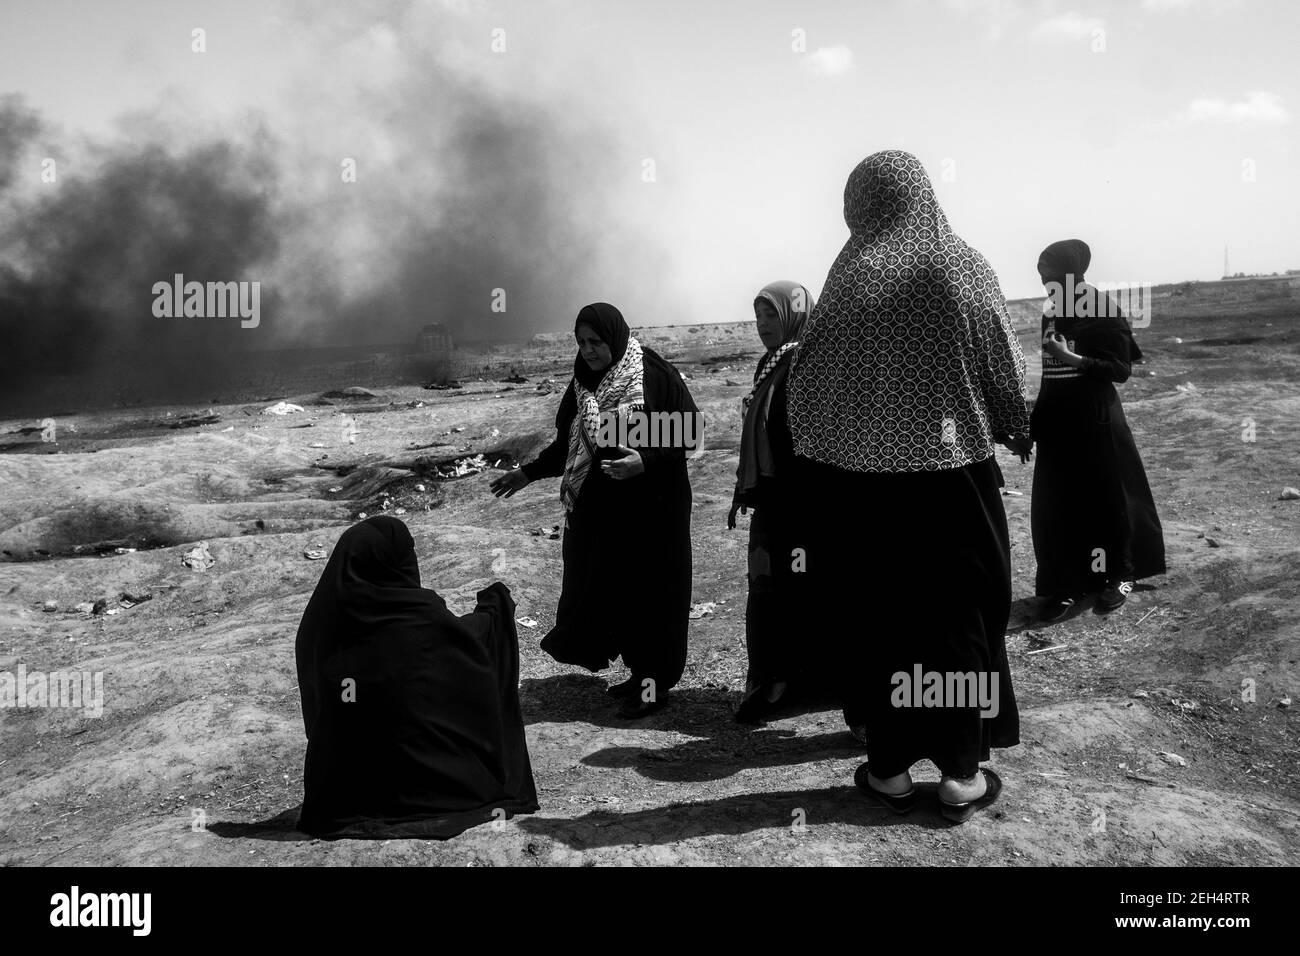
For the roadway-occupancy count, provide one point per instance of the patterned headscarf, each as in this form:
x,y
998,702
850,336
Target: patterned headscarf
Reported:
x,y
618,388
909,361
792,303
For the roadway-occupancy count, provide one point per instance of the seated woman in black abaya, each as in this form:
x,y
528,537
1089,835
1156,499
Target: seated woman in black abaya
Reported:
x,y
412,713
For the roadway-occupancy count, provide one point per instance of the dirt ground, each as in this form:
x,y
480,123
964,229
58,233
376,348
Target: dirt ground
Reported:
x,y
1138,747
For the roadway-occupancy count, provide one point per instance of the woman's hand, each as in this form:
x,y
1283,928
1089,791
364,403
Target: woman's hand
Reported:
x,y
731,515
503,486
1020,447
628,466
1056,346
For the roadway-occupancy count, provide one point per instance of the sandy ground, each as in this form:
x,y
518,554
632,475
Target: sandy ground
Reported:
x,y
1137,744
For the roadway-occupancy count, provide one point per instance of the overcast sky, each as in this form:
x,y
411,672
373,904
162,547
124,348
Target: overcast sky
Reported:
x,y
1157,130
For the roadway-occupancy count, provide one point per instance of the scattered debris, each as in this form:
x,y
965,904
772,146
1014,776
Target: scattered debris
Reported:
x,y
352,391
1289,494
1284,702
1044,650
434,386
315,554
1007,492
461,467
1212,542
124,550
553,532
100,605
1172,759
1186,387
526,622
316,444
194,420
282,408
418,488
700,610
85,607
730,382
335,490
129,600
1185,704
1140,694
50,606
456,430
198,558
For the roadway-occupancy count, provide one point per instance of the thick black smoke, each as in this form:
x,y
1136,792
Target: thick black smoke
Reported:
x,y
473,191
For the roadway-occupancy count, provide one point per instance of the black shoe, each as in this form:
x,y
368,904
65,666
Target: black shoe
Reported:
x,y
899,803
634,708
1056,609
961,812
626,688
1116,593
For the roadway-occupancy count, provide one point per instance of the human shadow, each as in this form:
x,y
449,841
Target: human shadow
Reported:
x,y
716,758
281,828
789,810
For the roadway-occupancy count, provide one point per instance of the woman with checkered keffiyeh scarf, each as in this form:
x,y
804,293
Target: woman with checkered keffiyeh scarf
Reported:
x,y
627,546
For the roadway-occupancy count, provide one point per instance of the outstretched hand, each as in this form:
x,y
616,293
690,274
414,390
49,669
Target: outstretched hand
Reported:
x,y
629,465
736,506
503,486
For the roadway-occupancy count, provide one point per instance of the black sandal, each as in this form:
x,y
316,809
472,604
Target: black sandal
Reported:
x,y
961,812
899,803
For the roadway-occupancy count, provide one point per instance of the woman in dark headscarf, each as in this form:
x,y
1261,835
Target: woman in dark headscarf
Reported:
x,y
763,484
412,713
627,533
1094,521
907,374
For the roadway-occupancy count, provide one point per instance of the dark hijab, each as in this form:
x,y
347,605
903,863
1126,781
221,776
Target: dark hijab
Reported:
x,y
608,323
412,713
1065,263
372,579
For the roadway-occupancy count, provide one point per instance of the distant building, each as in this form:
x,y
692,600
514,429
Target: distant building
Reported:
x,y
434,338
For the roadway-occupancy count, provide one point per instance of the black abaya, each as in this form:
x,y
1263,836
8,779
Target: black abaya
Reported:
x,y
412,713
913,569
1092,514
627,549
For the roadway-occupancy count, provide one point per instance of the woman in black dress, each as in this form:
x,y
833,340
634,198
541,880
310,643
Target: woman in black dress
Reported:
x,y
763,486
627,532
1093,519
412,713
907,375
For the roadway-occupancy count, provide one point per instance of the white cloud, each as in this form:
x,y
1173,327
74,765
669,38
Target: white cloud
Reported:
x,y
1166,4
1259,106
1069,26
829,60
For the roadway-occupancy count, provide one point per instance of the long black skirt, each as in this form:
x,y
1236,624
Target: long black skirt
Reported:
x,y
626,589
1092,514
913,574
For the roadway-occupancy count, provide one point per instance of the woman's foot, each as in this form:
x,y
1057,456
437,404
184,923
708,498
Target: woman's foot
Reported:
x,y
959,799
1116,593
1057,608
955,790
896,793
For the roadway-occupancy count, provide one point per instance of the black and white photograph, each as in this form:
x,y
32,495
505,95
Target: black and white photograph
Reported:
x,y
578,433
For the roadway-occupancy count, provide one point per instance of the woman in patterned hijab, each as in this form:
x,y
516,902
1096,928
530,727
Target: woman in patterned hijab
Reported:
x,y
908,374
627,530
762,484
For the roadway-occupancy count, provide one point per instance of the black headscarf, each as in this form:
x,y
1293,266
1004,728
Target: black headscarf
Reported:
x,y
1065,263
1069,257
412,713
613,331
